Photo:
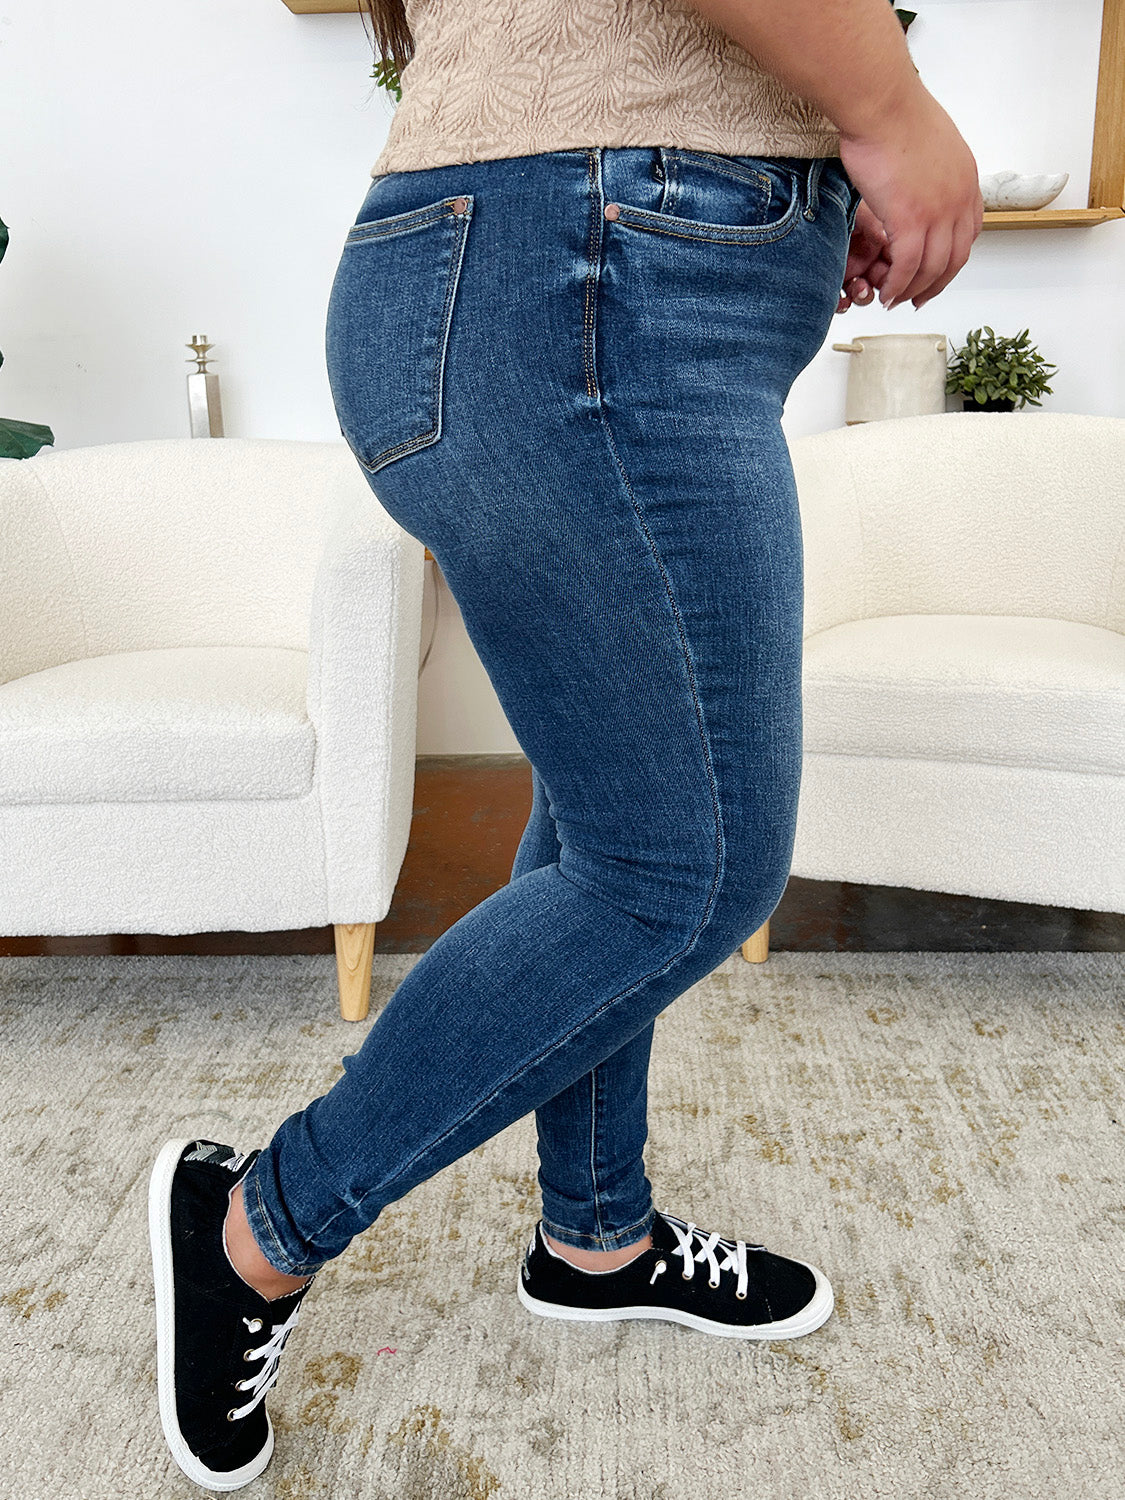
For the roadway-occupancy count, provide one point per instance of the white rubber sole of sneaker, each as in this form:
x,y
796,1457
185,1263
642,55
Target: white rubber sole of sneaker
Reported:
x,y
160,1238
817,1311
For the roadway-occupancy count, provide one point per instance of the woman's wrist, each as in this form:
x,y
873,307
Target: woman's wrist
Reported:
x,y
895,115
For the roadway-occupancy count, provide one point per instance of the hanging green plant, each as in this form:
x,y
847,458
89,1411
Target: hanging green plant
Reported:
x,y
19,439
998,374
385,75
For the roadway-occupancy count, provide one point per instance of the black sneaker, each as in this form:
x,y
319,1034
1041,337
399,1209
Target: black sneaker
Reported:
x,y
218,1340
689,1276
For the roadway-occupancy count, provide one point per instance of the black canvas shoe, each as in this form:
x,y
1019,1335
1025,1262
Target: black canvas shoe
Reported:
x,y
689,1276
218,1340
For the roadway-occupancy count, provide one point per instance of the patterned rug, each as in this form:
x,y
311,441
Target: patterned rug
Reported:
x,y
941,1133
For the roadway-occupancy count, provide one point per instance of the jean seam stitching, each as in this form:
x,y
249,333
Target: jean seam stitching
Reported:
x,y
592,250
748,236
646,533
715,161
593,1140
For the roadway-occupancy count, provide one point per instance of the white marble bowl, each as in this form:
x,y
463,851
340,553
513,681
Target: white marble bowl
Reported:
x,y
1019,190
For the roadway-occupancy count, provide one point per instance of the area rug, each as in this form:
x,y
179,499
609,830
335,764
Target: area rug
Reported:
x,y
941,1133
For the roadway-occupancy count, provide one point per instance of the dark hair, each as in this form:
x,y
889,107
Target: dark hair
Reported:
x,y
393,41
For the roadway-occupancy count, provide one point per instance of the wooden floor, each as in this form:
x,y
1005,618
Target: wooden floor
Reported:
x,y
469,812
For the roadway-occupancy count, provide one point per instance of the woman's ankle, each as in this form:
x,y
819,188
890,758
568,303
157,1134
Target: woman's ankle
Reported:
x,y
246,1258
599,1260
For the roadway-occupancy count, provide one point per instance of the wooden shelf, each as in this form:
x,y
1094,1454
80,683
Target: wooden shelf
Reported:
x,y
1048,218
322,7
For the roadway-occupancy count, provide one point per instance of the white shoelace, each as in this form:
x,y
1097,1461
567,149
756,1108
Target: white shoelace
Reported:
x,y
734,1251
270,1351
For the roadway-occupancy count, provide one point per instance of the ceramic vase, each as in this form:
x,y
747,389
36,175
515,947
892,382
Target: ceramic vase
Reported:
x,y
894,375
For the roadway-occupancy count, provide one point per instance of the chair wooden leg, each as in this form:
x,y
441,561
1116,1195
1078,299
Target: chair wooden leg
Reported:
x,y
355,948
756,948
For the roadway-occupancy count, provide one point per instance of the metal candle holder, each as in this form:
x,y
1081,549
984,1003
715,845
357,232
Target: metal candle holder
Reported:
x,y
205,406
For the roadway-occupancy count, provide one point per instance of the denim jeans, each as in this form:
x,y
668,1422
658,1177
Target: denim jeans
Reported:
x,y
565,373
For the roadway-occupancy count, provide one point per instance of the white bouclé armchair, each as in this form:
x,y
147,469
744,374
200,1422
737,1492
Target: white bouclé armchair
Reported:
x,y
964,657
208,693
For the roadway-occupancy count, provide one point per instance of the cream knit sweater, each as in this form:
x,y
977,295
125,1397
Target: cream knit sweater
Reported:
x,y
492,78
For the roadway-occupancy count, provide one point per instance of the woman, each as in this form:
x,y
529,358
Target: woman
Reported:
x,y
603,239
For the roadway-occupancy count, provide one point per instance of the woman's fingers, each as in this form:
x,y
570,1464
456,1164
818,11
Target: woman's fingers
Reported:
x,y
866,268
905,253
964,234
858,291
932,266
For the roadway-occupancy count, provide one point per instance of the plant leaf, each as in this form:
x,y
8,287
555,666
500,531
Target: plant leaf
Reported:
x,y
22,439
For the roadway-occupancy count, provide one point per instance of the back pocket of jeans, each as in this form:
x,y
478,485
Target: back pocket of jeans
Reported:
x,y
389,314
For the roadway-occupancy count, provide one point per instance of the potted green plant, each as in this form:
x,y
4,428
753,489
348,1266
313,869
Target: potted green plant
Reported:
x,y
997,374
19,439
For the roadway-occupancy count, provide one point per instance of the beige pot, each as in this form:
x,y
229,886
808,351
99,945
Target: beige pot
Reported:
x,y
895,375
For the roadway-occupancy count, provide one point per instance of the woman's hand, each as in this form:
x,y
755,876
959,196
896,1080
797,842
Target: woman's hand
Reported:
x,y
922,207
867,266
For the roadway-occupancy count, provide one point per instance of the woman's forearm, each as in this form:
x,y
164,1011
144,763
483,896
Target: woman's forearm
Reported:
x,y
848,57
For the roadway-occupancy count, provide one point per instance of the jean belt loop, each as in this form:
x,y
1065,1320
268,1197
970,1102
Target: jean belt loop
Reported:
x,y
816,163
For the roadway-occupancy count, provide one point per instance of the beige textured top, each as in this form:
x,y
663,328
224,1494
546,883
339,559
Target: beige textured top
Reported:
x,y
492,78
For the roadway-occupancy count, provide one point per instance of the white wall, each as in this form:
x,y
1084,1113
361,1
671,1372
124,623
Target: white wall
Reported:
x,y
173,167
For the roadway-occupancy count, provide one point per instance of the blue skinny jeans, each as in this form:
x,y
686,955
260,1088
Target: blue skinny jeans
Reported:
x,y
565,373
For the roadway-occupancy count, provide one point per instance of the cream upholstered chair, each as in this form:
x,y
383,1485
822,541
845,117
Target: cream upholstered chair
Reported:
x,y
964,666
208,693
